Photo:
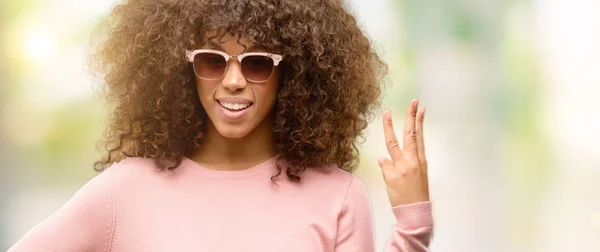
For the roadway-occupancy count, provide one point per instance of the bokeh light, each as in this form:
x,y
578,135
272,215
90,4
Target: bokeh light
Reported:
x,y
39,45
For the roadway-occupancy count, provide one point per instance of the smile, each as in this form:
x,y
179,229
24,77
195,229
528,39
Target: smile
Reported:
x,y
235,106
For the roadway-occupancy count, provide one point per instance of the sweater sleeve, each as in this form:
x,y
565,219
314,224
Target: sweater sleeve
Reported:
x,y
412,232
84,223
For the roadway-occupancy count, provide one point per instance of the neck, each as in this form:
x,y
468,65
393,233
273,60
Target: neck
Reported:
x,y
239,153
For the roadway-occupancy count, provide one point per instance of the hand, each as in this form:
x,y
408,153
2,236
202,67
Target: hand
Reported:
x,y
406,174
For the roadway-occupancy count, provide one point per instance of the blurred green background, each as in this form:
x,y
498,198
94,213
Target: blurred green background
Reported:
x,y
512,90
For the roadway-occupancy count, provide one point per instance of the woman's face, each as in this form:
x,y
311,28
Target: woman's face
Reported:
x,y
236,106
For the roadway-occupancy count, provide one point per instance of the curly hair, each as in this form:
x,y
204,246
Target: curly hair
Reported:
x,y
327,95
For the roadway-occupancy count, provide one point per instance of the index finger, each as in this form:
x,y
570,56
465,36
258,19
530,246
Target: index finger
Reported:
x,y
410,132
392,144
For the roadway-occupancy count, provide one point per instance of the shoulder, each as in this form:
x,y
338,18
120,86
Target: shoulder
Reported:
x,y
354,202
344,192
139,172
132,166
346,185
140,166
332,174
328,174
355,190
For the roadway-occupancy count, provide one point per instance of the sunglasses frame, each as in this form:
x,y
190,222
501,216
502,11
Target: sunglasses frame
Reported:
x,y
191,54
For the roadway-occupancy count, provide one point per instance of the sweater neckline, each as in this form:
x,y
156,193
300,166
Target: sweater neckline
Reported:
x,y
248,172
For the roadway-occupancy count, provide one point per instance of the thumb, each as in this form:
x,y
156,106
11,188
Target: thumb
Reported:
x,y
385,164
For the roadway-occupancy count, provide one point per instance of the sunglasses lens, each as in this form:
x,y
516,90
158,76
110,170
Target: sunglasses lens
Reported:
x,y
257,68
209,65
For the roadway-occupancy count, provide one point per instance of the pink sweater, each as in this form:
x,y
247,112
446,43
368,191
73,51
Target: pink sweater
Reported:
x,y
131,207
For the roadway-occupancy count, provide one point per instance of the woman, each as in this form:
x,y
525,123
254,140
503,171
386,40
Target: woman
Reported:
x,y
234,129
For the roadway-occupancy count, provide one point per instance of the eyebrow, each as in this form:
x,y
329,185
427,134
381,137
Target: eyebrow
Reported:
x,y
252,48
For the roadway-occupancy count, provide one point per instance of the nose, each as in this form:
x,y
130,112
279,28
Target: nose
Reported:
x,y
234,79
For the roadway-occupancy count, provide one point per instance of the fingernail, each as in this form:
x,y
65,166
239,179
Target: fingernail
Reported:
x,y
387,114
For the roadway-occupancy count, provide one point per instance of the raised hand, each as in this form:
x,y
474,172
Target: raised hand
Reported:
x,y
405,174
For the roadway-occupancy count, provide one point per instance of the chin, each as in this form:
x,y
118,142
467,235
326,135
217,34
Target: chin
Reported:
x,y
233,132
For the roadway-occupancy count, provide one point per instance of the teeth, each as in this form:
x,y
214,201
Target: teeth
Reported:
x,y
235,106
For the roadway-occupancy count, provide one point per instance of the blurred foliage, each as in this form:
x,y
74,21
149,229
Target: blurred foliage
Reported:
x,y
65,134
